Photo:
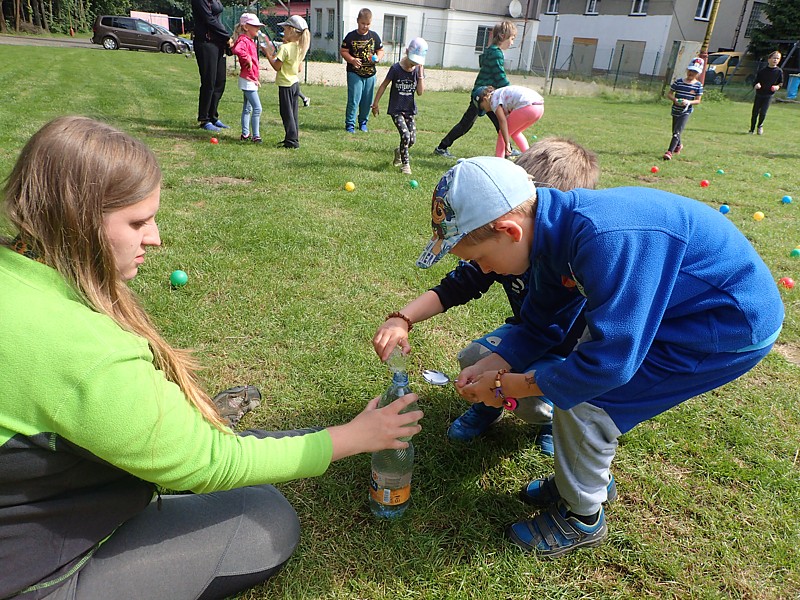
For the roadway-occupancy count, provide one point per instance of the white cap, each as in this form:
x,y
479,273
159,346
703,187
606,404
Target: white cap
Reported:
x,y
696,65
250,19
417,50
297,22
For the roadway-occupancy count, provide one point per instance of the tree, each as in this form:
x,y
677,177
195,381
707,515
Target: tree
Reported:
x,y
784,24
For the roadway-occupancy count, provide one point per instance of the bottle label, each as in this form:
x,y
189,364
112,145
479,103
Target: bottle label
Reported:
x,y
390,491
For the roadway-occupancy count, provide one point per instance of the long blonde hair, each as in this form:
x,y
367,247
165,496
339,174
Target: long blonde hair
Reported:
x,y
68,175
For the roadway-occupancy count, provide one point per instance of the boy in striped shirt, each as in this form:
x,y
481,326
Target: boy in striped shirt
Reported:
x,y
685,93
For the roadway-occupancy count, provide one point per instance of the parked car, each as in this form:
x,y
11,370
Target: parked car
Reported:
x,y
730,66
184,46
114,32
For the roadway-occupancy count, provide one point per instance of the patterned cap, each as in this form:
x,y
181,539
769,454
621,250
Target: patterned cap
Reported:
x,y
473,193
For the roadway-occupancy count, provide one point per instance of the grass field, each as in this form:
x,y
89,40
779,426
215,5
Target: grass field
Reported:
x,y
289,276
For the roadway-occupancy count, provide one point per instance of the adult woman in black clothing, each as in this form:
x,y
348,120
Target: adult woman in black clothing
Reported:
x,y
768,81
211,42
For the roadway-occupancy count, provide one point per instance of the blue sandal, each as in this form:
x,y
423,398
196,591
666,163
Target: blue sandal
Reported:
x,y
552,533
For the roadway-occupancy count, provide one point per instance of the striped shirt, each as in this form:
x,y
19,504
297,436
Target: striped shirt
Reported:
x,y
492,71
686,90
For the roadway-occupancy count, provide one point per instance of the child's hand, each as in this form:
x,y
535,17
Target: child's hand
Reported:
x,y
376,428
356,63
480,388
393,332
375,110
774,88
758,86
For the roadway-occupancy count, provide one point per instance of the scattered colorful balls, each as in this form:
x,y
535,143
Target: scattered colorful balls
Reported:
x,y
720,172
786,199
349,186
786,282
654,169
534,138
214,141
758,216
795,253
178,278
704,183
414,183
724,209
767,175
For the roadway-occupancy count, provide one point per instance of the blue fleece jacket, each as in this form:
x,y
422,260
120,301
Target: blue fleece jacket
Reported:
x,y
653,266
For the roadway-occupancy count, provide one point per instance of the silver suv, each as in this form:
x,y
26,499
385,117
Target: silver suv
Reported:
x,y
114,32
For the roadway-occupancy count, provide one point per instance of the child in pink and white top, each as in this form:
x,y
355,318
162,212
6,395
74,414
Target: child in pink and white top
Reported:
x,y
516,107
245,48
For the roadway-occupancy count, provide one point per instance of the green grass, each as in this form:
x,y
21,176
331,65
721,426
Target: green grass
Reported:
x,y
289,276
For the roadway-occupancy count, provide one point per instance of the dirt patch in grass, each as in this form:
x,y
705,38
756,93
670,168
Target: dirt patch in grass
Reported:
x,y
791,352
224,180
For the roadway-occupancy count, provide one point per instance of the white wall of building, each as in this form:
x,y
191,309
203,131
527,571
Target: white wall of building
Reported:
x,y
608,29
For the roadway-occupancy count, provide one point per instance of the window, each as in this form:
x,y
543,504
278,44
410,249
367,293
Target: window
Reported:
x,y
318,15
331,23
755,18
703,10
144,27
394,29
592,7
484,39
552,7
639,7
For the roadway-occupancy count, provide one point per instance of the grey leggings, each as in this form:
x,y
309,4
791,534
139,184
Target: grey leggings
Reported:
x,y
194,547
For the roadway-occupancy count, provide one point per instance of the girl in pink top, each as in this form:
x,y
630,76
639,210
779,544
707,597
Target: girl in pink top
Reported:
x,y
245,48
516,107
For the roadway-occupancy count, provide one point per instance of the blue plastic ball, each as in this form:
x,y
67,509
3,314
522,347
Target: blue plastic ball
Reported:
x,y
786,199
724,209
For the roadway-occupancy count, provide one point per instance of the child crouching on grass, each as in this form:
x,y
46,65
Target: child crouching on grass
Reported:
x,y
677,303
516,108
555,162
287,61
247,51
407,77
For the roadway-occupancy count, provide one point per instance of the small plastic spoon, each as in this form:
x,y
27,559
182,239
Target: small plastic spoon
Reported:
x,y
435,377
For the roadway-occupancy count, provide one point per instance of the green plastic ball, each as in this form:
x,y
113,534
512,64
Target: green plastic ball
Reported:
x,y
795,253
720,172
414,183
767,175
178,278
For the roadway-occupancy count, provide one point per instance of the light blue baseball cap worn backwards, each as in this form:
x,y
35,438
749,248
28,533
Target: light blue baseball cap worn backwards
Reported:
x,y
476,191
476,99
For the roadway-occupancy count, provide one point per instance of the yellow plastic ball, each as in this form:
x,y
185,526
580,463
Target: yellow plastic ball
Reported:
x,y
758,215
349,186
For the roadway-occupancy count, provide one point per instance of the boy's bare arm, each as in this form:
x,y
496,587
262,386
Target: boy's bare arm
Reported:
x,y
378,95
394,331
420,80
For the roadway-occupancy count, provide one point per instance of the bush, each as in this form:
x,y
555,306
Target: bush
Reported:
x,y
714,95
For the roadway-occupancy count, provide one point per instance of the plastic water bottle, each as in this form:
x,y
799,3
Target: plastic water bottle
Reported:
x,y
390,481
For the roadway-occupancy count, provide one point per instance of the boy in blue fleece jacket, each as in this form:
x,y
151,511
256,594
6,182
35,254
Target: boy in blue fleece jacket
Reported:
x,y
556,162
676,300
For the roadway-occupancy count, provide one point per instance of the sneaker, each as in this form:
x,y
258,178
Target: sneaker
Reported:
x,y
442,152
349,129
256,139
209,127
544,439
667,155
306,101
678,149
244,138
543,492
760,131
475,421
555,531
220,124
363,127
397,160
515,153
751,132
405,169
236,402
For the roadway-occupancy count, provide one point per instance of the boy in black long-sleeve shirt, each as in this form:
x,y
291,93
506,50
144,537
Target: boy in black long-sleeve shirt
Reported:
x,y
768,81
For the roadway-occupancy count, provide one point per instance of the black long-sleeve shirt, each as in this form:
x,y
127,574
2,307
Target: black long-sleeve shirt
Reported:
x,y
207,24
767,77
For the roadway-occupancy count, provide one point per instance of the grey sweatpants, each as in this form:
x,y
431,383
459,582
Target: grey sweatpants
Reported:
x,y
194,546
